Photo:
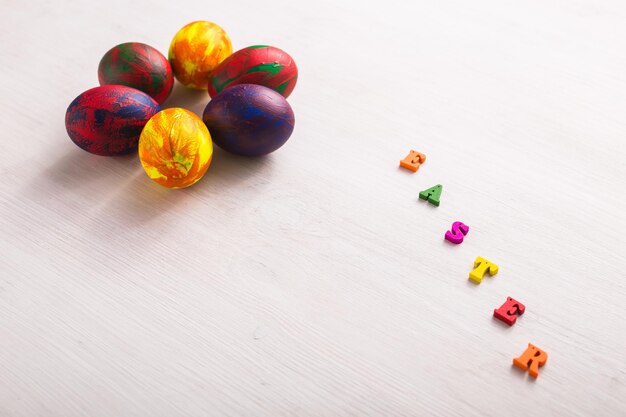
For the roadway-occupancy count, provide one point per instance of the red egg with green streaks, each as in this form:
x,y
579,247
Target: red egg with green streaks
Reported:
x,y
262,65
139,66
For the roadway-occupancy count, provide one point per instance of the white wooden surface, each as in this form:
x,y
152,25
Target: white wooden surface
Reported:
x,y
313,282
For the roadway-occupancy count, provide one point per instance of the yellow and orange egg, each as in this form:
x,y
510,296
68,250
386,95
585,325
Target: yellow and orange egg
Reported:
x,y
196,51
175,148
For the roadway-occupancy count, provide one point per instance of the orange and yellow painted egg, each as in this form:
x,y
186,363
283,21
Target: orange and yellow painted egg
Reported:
x,y
175,148
196,50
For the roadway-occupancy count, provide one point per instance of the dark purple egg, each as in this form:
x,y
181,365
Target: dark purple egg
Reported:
x,y
249,119
108,120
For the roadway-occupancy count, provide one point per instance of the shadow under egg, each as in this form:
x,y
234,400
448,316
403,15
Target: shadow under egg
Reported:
x,y
187,98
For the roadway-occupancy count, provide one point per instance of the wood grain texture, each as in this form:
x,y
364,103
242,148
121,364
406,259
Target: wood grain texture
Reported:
x,y
313,282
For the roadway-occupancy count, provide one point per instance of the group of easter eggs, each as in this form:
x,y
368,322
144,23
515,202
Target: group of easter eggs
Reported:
x,y
248,113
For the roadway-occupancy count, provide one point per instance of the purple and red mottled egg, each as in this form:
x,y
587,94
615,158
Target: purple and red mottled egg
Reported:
x,y
249,119
263,65
108,120
139,66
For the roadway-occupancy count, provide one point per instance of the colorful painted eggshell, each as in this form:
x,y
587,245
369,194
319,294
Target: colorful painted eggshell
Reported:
x,y
175,148
196,50
263,65
249,119
140,66
108,120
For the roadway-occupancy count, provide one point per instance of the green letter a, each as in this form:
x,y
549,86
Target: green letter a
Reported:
x,y
432,194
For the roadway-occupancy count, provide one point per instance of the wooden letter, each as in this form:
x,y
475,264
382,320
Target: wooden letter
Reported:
x,y
413,161
509,311
531,360
481,266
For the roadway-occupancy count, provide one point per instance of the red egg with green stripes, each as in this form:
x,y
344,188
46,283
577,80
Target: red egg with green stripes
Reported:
x,y
139,66
262,65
